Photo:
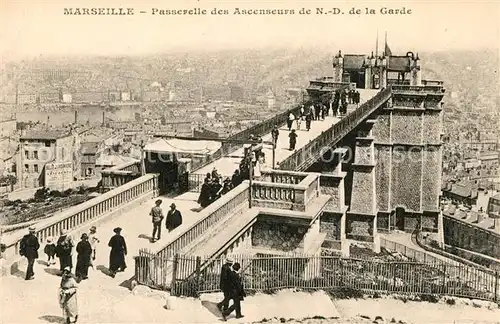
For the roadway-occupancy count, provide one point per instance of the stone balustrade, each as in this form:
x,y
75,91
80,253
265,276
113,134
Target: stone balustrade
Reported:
x,y
304,157
86,212
285,196
120,174
227,204
283,176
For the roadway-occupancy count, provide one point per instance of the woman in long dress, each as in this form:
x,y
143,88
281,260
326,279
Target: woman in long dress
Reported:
x,y
84,257
68,299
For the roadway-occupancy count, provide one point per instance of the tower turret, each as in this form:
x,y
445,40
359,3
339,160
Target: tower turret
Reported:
x,y
338,67
416,72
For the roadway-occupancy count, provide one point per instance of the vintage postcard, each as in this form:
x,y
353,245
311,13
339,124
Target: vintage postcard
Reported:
x,y
203,161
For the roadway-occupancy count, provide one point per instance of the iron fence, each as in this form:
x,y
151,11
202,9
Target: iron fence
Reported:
x,y
268,273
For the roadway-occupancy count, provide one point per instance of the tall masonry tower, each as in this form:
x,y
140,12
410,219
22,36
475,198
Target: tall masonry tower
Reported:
x,y
396,172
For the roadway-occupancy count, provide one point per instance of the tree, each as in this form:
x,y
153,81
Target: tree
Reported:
x,y
8,180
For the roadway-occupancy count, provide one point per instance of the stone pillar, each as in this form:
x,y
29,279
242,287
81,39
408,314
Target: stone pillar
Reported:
x,y
440,236
346,248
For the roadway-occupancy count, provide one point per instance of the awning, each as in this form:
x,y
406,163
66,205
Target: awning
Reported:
x,y
182,146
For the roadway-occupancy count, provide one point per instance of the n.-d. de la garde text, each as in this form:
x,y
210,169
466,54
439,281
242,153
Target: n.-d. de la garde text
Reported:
x,y
99,11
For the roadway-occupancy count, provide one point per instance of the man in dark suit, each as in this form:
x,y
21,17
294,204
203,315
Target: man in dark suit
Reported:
x,y
29,249
236,292
224,285
174,218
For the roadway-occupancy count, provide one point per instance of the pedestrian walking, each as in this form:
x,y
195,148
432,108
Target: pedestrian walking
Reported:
x,y
205,194
236,292
299,122
289,121
275,134
64,250
117,253
29,249
83,257
156,214
236,178
50,251
224,285
308,122
174,218
68,297
93,240
293,139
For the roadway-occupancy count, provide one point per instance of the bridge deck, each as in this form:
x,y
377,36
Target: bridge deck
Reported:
x,y
228,164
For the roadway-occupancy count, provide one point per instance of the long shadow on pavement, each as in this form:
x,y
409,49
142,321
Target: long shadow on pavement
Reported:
x,y
53,271
52,319
212,308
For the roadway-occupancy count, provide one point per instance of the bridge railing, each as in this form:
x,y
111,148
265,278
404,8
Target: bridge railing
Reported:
x,y
259,129
303,157
211,215
283,176
120,174
285,196
86,212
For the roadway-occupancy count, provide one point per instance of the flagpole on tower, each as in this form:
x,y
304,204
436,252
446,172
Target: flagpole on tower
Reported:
x,y
385,45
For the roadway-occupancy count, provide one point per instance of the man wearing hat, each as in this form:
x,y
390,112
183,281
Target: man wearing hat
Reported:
x,y
225,284
118,252
157,216
174,218
29,248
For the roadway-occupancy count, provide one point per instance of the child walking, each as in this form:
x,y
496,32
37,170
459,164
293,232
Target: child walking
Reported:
x,y
50,251
93,240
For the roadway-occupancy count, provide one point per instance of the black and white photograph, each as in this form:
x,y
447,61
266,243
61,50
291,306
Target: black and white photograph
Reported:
x,y
258,161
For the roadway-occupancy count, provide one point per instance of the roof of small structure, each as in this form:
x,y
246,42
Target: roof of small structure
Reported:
x,y
89,148
111,160
175,145
45,134
354,61
398,64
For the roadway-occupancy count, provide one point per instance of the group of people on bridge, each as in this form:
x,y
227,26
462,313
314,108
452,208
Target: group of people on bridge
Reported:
x,y
63,250
212,189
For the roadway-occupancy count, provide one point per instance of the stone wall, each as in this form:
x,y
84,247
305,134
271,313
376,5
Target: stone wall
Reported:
x,y
330,224
283,237
470,237
382,176
406,178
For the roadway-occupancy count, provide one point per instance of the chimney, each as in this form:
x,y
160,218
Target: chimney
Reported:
x,y
103,117
76,117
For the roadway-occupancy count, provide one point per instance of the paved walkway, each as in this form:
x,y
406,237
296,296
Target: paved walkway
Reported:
x,y
228,164
100,292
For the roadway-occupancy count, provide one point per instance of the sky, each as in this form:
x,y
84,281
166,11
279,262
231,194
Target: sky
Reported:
x,y
31,28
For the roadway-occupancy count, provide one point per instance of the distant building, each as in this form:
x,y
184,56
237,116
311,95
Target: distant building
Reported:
x,y
125,96
89,152
271,99
465,192
38,148
236,93
8,127
489,159
494,206
67,98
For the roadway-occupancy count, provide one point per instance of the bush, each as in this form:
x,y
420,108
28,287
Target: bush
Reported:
x,y
345,293
434,244
429,298
42,194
